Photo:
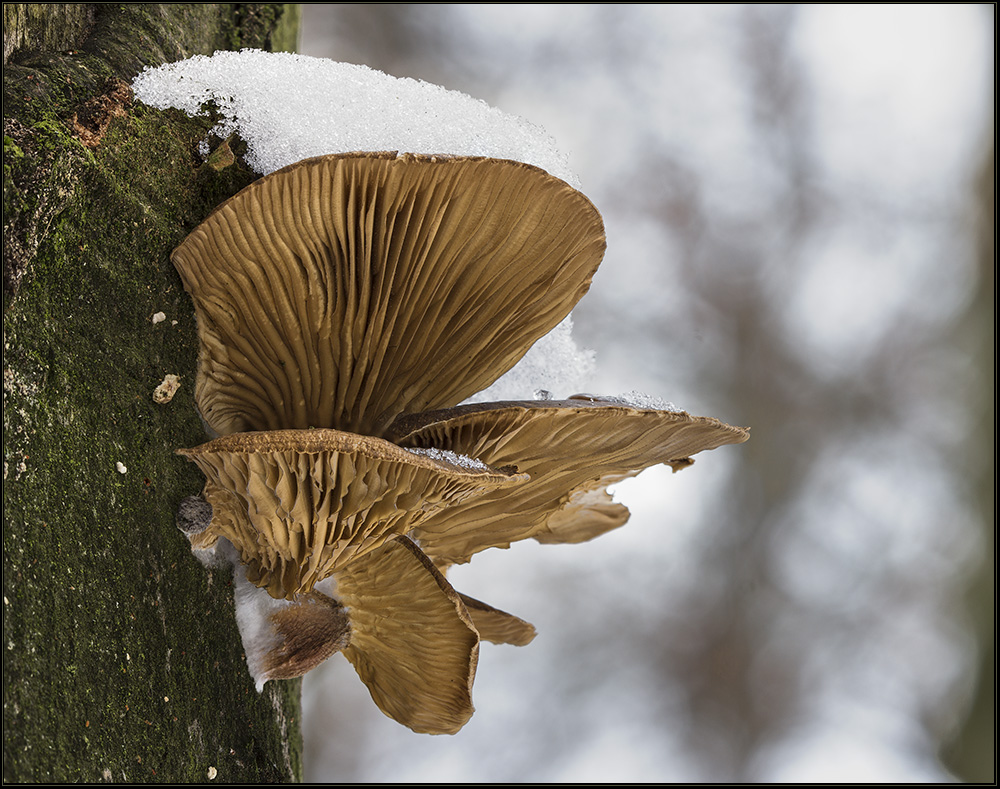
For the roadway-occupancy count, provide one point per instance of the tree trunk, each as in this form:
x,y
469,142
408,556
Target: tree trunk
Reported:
x,y
121,657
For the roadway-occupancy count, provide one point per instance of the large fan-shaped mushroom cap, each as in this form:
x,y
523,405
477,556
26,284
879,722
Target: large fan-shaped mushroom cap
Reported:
x,y
571,450
344,290
412,641
301,504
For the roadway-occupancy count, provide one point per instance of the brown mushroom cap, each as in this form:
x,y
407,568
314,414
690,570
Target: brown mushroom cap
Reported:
x,y
412,641
344,290
301,504
571,450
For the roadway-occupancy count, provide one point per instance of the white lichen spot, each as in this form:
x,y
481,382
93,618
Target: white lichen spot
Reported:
x,y
159,317
168,387
122,468
212,773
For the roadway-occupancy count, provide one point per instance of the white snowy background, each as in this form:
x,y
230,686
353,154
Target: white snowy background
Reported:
x,y
787,194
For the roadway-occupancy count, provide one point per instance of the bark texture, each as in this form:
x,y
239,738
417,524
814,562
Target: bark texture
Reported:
x,y
121,657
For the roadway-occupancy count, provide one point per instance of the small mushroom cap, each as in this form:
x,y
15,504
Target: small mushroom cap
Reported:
x,y
299,505
571,450
344,290
498,626
283,639
410,636
412,642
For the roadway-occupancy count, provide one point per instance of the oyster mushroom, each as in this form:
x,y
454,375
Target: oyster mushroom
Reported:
x,y
348,302
299,505
394,617
572,451
344,290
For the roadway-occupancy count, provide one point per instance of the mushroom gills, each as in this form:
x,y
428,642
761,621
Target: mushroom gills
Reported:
x,y
300,505
571,450
344,290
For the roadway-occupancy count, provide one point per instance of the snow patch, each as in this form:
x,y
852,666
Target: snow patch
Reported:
x,y
447,456
634,399
288,107
553,364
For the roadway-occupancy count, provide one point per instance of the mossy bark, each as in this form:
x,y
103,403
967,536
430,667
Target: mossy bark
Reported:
x,y
121,657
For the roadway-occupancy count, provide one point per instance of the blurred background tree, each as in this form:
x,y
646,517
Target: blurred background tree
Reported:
x,y
791,247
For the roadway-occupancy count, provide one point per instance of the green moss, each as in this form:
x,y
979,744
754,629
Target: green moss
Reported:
x,y
32,26
121,656
258,26
136,641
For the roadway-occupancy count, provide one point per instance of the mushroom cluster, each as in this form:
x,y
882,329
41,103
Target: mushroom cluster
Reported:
x,y
346,305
